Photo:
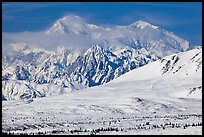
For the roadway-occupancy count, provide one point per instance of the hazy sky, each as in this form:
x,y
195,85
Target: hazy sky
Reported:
x,y
184,19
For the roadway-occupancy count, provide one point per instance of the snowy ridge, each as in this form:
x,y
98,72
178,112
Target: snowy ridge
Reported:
x,y
141,24
143,101
98,66
72,70
184,64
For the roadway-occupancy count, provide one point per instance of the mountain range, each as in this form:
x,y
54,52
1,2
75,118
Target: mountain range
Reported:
x,y
162,97
87,55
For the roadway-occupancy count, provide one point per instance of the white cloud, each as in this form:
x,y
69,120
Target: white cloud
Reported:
x,y
48,42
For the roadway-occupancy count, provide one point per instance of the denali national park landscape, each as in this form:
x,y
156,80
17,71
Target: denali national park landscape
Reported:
x,y
75,77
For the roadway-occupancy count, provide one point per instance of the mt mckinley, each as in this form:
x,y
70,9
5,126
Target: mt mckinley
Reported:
x,y
87,55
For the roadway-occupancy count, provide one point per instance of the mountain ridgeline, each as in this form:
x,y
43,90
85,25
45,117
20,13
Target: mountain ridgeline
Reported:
x,y
28,72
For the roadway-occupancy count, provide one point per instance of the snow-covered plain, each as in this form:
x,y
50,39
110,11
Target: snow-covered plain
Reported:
x,y
163,97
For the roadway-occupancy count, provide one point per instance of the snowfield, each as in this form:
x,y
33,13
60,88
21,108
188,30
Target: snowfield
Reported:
x,y
162,97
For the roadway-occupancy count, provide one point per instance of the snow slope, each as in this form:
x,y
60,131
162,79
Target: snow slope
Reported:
x,y
163,97
176,65
177,68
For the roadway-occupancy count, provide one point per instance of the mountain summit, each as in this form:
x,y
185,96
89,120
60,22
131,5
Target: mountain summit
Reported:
x,y
68,24
139,34
142,24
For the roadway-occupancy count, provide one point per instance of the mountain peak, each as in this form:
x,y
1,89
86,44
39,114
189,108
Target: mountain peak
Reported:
x,y
142,24
71,23
95,49
71,18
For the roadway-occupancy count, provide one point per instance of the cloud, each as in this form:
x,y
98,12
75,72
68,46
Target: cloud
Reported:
x,y
182,5
26,6
10,11
12,8
48,42
19,7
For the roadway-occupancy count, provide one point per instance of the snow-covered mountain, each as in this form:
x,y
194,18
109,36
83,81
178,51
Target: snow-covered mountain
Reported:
x,y
87,55
162,97
181,69
69,70
136,35
97,66
72,31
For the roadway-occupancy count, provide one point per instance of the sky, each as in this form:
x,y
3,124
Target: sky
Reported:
x,y
182,18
